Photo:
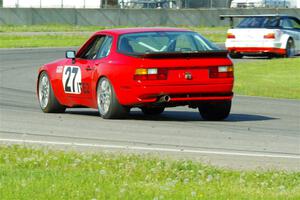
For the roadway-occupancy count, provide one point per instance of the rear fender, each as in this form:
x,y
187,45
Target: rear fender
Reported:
x,y
120,76
284,39
107,72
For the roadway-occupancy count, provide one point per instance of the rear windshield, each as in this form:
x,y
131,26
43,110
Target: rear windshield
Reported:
x,y
259,22
164,42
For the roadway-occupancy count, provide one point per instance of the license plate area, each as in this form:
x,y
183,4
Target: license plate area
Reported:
x,y
188,76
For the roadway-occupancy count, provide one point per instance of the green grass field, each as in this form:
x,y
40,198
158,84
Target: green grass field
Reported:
x,y
279,78
79,35
16,41
71,28
46,174
48,28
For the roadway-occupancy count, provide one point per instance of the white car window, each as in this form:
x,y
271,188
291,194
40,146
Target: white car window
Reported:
x,y
259,22
289,23
286,23
295,24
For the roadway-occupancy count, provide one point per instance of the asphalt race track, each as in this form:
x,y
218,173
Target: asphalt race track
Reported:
x,y
260,132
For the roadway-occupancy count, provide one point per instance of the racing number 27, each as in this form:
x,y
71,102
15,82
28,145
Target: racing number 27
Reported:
x,y
72,79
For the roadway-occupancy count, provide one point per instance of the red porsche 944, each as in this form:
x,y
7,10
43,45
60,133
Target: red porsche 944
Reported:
x,y
148,68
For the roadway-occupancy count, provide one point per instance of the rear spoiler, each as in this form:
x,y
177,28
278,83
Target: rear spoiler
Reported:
x,y
244,16
231,17
199,54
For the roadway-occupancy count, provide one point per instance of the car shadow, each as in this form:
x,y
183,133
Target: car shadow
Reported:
x,y
176,116
194,116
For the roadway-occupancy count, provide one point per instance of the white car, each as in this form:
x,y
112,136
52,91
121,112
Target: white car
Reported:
x,y
263,4
263,35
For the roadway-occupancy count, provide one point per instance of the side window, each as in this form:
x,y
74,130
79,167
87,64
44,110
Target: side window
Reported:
x,y
295,24
105,48
271,22
91,51
289,23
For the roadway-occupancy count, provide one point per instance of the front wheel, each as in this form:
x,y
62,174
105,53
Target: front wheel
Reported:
x,y
108,104
215,111
47,99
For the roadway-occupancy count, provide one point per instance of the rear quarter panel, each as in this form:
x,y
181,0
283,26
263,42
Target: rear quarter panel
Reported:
x,y
295,34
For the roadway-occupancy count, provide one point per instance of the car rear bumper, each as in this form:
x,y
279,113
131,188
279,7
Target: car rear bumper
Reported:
x,y
257,50
255,47
141,95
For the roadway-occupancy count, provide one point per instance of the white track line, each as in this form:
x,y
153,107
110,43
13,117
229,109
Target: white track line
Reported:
x,y
151,148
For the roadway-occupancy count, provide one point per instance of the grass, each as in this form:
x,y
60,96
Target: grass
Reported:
x,y
8,40
16,41
48,28
279,78
27,173
71,28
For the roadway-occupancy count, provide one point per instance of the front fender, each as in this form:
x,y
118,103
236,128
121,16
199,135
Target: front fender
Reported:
x,y
40,70
55,82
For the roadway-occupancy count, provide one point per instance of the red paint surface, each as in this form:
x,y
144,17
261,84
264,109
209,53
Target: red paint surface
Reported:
x,y
120,69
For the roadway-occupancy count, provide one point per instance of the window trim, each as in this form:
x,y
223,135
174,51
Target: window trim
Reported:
x,y
111,43
90,42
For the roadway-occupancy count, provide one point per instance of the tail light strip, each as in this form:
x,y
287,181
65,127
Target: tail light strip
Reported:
x,y
269,36
150,74
230,36
143,74
221,72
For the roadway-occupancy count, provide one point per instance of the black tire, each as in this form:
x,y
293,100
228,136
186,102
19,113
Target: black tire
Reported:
x,y
271,56
114,110
235,55
52,105
215,111
153,110
289,50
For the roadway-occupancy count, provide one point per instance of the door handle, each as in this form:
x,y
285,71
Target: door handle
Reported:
x,y
97,63
88,68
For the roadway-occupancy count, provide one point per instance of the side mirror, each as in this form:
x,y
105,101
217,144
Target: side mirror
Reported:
x,y
70,54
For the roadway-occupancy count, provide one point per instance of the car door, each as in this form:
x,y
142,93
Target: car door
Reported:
x,y
291,26
78,76
296,32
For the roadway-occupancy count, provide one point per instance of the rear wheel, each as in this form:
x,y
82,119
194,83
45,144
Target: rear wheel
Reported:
x,y
235,55
153,110
47,100
290,48
108,104
215,111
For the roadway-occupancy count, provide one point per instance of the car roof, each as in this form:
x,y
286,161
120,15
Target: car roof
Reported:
x,y
262,15
121,31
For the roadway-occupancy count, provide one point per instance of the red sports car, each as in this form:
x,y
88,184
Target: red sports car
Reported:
x,y
148,68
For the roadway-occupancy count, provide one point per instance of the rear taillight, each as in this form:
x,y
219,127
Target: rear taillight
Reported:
x,y
269,36
150,74
230,36
221,72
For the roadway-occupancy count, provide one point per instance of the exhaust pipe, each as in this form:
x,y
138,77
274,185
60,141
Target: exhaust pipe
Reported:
x,y
163,99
